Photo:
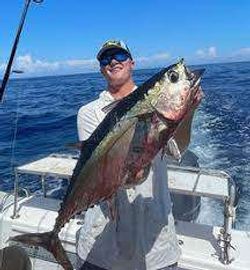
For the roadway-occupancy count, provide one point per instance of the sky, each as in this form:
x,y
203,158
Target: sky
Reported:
x,y
63,36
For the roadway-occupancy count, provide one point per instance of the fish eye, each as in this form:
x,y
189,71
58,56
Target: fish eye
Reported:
x,y
173,76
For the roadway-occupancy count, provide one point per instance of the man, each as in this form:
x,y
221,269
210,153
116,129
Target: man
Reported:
x,y
142,236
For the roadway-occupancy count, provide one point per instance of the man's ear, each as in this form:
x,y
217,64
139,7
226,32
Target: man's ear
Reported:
x,y
132,63
101,70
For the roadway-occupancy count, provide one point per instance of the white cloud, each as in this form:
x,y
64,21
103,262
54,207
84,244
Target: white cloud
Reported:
x,y
31,66
82,63
153,59
200,53
27,64
210,52
242,52
37,67
160,56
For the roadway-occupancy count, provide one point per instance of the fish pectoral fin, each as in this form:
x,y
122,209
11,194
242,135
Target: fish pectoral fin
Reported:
x,y
173,149
141,116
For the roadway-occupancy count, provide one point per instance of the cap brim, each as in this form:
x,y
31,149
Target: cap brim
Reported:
x,y
103,50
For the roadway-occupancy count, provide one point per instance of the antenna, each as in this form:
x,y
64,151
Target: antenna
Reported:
x,y
14,47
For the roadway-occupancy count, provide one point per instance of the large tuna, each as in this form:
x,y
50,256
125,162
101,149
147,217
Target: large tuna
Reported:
x,y
119,152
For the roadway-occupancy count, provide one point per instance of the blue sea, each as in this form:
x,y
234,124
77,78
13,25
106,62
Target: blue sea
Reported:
x,y
38,117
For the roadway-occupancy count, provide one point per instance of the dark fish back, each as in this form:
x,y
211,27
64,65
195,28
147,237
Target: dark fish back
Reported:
x,y
108,123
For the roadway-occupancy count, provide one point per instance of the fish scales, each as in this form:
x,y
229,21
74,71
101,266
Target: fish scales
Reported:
x,y
120,150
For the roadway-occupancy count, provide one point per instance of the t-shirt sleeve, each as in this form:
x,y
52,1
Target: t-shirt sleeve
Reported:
x,y
86,122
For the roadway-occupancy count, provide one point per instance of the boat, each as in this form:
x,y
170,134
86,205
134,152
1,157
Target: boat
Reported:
x,y
204,247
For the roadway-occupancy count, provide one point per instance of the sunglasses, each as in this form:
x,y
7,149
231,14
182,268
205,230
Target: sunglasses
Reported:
x,y
119,57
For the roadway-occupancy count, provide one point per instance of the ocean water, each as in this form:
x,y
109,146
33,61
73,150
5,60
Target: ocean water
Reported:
x,y
38,117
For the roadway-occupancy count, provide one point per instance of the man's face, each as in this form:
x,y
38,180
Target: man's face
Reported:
x,y
117,72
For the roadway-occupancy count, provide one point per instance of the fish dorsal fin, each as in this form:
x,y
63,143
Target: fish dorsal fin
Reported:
x,y
111,106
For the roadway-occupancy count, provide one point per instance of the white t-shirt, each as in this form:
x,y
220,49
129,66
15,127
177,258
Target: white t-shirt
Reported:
x,y
143,235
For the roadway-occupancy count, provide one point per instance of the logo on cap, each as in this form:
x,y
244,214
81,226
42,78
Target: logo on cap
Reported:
x,y
113,44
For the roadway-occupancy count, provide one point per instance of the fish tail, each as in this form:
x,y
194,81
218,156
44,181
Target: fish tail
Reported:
x,y
50,241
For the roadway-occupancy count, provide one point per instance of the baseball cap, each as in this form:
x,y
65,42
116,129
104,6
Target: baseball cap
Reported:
x,y
113,44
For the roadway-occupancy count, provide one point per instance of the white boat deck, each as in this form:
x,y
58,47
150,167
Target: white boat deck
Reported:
x,y
199,243
200,250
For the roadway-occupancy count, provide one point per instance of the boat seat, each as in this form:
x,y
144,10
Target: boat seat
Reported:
x,y
40,202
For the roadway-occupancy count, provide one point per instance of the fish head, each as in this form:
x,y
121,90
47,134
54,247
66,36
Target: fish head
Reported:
x,y
177,91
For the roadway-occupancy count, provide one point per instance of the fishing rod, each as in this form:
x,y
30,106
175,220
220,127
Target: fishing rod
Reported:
x,y
14,48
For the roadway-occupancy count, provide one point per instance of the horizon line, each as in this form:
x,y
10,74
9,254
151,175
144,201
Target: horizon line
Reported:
x,y
98,72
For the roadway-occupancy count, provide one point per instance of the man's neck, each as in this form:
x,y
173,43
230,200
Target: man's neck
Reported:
x,y
119,92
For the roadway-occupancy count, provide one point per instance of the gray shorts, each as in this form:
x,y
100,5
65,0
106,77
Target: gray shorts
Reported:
x,y
89,266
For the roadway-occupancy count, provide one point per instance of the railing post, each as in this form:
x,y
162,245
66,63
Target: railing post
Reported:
x,y
229,216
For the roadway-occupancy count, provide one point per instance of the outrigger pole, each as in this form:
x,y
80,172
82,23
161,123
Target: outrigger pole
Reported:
x,y
14,48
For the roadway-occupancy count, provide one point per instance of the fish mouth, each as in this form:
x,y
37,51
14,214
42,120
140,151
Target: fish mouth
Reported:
x,y
195,77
